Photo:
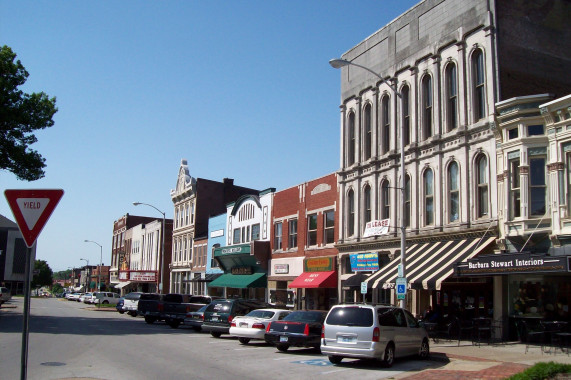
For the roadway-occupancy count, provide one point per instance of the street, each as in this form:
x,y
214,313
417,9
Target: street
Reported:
x,y
71,340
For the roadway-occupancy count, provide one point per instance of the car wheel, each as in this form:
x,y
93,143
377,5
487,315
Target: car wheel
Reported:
x,y
197,328
150,320
121,312
173,323
335,359
105,302
216,334
424,351
133,313
244,340
282,347
389,356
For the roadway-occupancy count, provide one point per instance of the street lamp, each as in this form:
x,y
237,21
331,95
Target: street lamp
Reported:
x,y
100,263
337,63
162,244
87,271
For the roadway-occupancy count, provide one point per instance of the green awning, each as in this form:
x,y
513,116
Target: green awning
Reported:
x,y
240,281
92,284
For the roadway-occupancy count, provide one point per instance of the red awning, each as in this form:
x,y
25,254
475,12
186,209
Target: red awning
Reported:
x,y
315,280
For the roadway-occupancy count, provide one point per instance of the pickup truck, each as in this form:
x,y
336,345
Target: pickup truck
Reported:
x,y
176,306
150,307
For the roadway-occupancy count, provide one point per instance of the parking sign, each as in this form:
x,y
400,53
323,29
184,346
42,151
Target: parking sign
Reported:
x,y
401,288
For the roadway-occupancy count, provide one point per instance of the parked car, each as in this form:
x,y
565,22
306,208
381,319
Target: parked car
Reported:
x,y
104,298
150,306
131,303
119,306
5,295
84,297
253,325
220,313
74,296
372,332
301,328
195,319
176,306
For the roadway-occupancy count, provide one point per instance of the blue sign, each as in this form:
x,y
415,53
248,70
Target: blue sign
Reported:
x,y
361,262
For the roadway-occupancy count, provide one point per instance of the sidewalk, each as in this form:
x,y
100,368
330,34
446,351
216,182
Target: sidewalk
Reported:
x,y
496,361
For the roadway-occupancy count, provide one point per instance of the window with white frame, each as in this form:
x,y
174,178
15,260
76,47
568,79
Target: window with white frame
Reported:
x,y
482,185
514,188
478,78
427,106
368,131
386,123
428,179
385,200
256,232
537,185
236,239
407,204
311,230
213,261
278,236
405,93
292,233
329,230
367,211
350,213
454,193
451,97
351,139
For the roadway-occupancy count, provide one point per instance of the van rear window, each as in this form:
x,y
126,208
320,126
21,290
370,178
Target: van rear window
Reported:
x,y
350,316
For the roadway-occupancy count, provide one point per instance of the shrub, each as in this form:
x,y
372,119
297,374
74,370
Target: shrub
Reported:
x,y
542,371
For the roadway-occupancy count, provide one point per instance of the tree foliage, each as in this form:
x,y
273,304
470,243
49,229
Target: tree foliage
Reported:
x,y
20,115
44,276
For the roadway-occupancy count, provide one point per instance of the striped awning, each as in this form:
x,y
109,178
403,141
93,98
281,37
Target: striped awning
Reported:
x,y
428,264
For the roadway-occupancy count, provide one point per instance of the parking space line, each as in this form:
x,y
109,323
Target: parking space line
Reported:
x,y
337,370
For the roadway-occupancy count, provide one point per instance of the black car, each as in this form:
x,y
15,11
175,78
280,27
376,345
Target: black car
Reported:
x,y
300,328
219,313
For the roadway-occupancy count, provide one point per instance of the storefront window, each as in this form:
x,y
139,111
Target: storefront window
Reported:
x,y
539,296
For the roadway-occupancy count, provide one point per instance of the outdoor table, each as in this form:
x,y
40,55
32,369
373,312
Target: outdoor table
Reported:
x,y
482,327
552,330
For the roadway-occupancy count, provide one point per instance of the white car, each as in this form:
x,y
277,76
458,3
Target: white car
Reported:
x,y
131,303
104,298
84,297
74,296
253,325
5,295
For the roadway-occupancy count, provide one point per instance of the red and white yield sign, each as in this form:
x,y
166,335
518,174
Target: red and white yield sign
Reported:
x,y
32,209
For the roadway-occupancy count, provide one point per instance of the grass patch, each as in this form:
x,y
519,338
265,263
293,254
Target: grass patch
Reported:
x,y
542,371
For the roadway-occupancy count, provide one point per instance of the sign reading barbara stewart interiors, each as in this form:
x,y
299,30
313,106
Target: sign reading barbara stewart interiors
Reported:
x,y
511,264
364,262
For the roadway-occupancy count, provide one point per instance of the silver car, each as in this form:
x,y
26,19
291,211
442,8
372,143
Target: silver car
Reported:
x,y
372,332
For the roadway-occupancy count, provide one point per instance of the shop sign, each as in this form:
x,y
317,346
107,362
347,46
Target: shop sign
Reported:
x,y
241,270
364,262
143,276
123,276
281,268
232,250
511,264
377,228
318,264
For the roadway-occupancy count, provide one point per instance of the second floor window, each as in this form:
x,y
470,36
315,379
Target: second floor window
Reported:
x,y
454,192
292,230
407,205
329,231
350,213
537,187
367,204
351,140
236,239
312,229
482,186
428,197
385,200
514,185
256,232
278,236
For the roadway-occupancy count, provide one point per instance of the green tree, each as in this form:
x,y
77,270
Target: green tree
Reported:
x,y
43,276
20,115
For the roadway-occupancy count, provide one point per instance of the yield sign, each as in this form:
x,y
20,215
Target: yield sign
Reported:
x,y
32,209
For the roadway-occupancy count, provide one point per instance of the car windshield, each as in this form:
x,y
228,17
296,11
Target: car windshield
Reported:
x,y
305,316
267,314
202,309
351,316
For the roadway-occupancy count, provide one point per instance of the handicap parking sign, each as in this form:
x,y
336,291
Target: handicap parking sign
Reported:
x,y
401,287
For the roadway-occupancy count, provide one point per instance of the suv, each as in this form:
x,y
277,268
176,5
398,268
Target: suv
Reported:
x,y
5,295
220,313
372,332
131,303
104,298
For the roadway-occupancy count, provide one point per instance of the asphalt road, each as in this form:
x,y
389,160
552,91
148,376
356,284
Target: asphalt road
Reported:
x,y
68,341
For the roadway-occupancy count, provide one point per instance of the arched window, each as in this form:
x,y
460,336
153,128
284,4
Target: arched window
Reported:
x,y
478,80
367,214
428,179
385,200
427,106
454,193
407,208
386,123
368,131
350,213
451,97
482,185
405,93
351,139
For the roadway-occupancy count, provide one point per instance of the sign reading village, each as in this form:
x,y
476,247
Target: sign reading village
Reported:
x,y
511,264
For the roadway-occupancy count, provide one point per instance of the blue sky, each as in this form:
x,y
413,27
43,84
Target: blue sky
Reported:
x,y
241,89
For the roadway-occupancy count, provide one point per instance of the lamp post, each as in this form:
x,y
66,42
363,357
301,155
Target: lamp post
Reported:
x,y
100,263
87,271
337,63
162,244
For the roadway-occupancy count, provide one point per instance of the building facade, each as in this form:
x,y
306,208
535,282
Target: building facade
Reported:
x,y
13,252
445,65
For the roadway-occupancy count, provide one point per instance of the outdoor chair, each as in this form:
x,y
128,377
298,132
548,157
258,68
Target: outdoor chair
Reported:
x,y
482,330
533,335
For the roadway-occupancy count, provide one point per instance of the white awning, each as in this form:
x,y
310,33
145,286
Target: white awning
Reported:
x,y
121,285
